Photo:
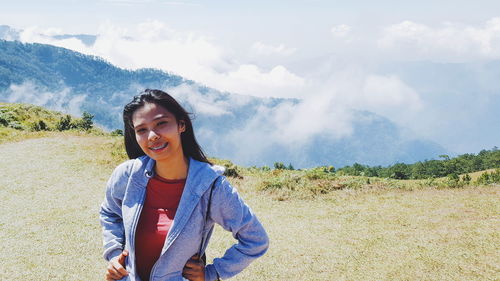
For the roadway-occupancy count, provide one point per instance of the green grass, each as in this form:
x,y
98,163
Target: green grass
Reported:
x,y
52,185
25,115
20,121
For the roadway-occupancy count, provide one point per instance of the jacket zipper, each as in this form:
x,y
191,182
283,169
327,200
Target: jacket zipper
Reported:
x,y
136,221
153,269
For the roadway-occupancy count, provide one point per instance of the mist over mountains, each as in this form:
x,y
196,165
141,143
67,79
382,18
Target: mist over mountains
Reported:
x,y
245,129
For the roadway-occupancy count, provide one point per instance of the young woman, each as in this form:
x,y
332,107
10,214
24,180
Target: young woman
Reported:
x,y
161,205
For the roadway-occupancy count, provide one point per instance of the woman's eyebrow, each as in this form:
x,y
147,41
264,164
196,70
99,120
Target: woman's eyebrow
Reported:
x,y
156,118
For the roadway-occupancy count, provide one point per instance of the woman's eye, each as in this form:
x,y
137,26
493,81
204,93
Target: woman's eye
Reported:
x,y
140,131
162,122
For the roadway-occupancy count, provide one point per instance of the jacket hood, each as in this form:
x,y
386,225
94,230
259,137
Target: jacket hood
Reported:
x,y
200,174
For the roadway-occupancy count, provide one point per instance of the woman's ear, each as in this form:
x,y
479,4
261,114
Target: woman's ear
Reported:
x,y
182,126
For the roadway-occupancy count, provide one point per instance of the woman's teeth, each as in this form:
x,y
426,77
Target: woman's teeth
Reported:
x,y
159,147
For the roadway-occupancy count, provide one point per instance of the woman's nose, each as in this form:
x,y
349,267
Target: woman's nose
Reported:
x,y
152,135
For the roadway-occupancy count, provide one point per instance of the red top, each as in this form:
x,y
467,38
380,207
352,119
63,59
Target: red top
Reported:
x,y
162,199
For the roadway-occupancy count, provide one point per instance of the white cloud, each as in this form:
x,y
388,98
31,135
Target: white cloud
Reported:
x,y
341,30
449,42
202,103
39,35
291,125
62,100
249,79
390,97
265,49
326,101
154,44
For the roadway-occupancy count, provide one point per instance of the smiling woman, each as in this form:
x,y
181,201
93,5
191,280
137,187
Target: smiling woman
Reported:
x,y
158,133
161,205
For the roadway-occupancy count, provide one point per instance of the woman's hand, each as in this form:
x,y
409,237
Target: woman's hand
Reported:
x,y
194,270
116,267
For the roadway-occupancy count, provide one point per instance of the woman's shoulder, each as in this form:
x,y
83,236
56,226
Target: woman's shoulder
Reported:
x,y
130,166
125,166
205,169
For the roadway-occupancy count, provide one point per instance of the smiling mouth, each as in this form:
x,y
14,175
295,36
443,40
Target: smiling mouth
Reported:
x,y
156,148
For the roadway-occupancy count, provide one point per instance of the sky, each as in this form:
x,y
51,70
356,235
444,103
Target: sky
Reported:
x,y
335,55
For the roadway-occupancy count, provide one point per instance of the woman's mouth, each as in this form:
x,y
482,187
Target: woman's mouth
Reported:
x,y
159,148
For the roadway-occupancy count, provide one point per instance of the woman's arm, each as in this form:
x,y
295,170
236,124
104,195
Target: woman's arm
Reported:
x,y
111,213
229,210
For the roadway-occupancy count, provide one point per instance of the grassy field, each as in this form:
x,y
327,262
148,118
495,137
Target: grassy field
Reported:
x,y
51,188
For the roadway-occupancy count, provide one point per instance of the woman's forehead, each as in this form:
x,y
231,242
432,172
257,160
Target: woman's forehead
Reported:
x,y
149,112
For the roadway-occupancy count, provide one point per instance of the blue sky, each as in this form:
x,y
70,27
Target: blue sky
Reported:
x,y
352,54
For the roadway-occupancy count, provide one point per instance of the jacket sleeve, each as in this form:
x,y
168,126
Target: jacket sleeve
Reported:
x,y
110,213
229,210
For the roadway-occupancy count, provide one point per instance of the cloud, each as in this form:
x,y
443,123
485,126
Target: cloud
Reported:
x,y
264,49
389,96
249,79
327,111
206,104
154,44
340,31
62,100
449,42
44,36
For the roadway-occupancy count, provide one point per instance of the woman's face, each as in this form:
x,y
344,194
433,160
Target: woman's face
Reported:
x,y
157,132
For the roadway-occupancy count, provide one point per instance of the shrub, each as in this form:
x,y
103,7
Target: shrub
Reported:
x,y
285,184
329,169
39,126
265,168
4,119
453,180
319,173
117,132
86,122
281,182
232,171
64,123
466,179
279,166
489,178
15,125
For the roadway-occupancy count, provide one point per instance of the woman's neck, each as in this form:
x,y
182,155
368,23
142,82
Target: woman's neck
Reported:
x,y
173,168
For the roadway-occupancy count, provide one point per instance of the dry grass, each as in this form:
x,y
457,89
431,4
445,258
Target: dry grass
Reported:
x,y
51,189
445,234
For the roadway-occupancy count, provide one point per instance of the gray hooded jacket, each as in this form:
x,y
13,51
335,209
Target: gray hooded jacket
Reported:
x,y
122,205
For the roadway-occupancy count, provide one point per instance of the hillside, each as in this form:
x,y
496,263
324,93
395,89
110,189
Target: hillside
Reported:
x,y
242,128
378,231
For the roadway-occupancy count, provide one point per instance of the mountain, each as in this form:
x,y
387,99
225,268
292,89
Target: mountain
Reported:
x,y
232,126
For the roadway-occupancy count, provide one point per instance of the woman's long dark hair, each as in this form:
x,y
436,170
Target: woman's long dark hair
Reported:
x,y
190,146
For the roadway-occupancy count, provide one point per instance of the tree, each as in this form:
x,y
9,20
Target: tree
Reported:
x,y
64,123
39,126
279,166
117,132
400,171
86,122
358,169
